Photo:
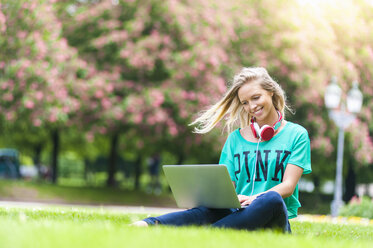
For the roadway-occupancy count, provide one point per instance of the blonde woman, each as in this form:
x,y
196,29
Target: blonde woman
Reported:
x,y
265,157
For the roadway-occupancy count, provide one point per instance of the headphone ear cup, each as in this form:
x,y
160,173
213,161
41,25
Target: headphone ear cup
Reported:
x,y
266,132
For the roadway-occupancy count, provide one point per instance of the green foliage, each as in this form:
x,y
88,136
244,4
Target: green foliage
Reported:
x,y
359,208
71,166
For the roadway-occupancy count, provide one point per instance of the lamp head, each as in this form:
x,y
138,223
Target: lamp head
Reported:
x,y
333,94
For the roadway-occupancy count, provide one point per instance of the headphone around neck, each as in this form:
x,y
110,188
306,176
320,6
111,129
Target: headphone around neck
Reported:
x,y
265,132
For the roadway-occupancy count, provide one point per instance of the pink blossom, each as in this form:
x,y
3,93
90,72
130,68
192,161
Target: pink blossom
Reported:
x,y
164,54
184,94
66,109
90,137
106,103
21,35
40,45
99,94
186,55
166,40
39,95
160,116
204,100
172,127
118,115
151,120
201,66
8,97
20,73
214,61
33,86
173,130
110,87
125,54
4,85
2,21
140,144
138,118
61,94
102,130
194,73
101,41
183,113
37,122
370,51
355,200
52,118
157,98
10,116
283,69
2,64
221,85
29,104
350,66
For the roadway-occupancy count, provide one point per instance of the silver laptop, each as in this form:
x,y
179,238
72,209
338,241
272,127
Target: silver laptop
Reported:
x,y
201,185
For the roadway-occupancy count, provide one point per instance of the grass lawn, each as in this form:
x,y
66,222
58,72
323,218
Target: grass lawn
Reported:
x,y
19,190
81,227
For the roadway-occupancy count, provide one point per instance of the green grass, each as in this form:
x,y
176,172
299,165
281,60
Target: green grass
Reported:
x,y
33,191
80,227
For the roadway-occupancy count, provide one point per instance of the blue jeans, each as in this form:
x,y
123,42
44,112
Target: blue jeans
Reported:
x,y
266,211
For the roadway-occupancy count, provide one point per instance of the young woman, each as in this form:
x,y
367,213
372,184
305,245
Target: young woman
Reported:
x,y
265,157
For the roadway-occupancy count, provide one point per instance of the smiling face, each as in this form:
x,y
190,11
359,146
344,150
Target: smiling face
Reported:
x,y
257,102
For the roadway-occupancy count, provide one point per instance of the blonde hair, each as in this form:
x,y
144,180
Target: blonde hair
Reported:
x,y
230,103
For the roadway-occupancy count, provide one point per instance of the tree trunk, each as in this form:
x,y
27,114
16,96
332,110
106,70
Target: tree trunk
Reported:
x,y
350,181
55,151
138,171
180,158
113,160
37,160
317,184
86,169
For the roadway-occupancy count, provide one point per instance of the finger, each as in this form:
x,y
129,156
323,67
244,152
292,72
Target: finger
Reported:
x,y
242,198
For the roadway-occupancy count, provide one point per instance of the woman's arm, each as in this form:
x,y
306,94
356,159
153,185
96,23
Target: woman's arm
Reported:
x,y
285,189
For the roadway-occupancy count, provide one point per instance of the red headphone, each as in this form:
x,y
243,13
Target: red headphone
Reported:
x,y
265,132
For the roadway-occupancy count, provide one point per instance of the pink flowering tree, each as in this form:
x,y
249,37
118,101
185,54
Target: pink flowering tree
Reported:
x,y
172,59
302,45
168,60
42,79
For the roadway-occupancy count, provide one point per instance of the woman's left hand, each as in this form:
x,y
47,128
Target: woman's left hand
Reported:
x,y
246,200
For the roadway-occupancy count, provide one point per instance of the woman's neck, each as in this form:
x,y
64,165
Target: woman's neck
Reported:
x,y
271,119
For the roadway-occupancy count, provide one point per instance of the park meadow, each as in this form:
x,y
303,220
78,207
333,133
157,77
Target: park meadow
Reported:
x,y
87,227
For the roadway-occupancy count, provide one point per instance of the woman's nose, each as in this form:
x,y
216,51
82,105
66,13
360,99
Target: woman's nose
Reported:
x,y
252,107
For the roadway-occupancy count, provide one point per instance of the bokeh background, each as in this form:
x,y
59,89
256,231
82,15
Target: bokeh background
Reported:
x,y
93,93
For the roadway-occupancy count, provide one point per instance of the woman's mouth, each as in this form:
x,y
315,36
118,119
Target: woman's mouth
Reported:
x,y
258,111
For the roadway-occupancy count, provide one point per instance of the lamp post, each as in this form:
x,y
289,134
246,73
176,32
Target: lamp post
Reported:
x,y
342,118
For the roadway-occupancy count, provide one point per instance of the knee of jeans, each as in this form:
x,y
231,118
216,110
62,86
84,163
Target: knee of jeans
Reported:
x,y
199,209
274,198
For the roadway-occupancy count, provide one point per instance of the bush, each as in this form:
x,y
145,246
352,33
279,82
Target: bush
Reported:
x,y
359,207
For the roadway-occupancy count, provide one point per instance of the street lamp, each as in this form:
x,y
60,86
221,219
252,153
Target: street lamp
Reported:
x,y
342,118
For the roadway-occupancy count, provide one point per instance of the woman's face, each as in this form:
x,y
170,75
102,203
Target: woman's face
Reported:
x,y
257,102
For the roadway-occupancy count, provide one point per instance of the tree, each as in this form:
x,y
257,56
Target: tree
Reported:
x,y
43,81
303,45
165,67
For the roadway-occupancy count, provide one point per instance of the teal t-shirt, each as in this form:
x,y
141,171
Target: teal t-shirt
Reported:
x,y
290,146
